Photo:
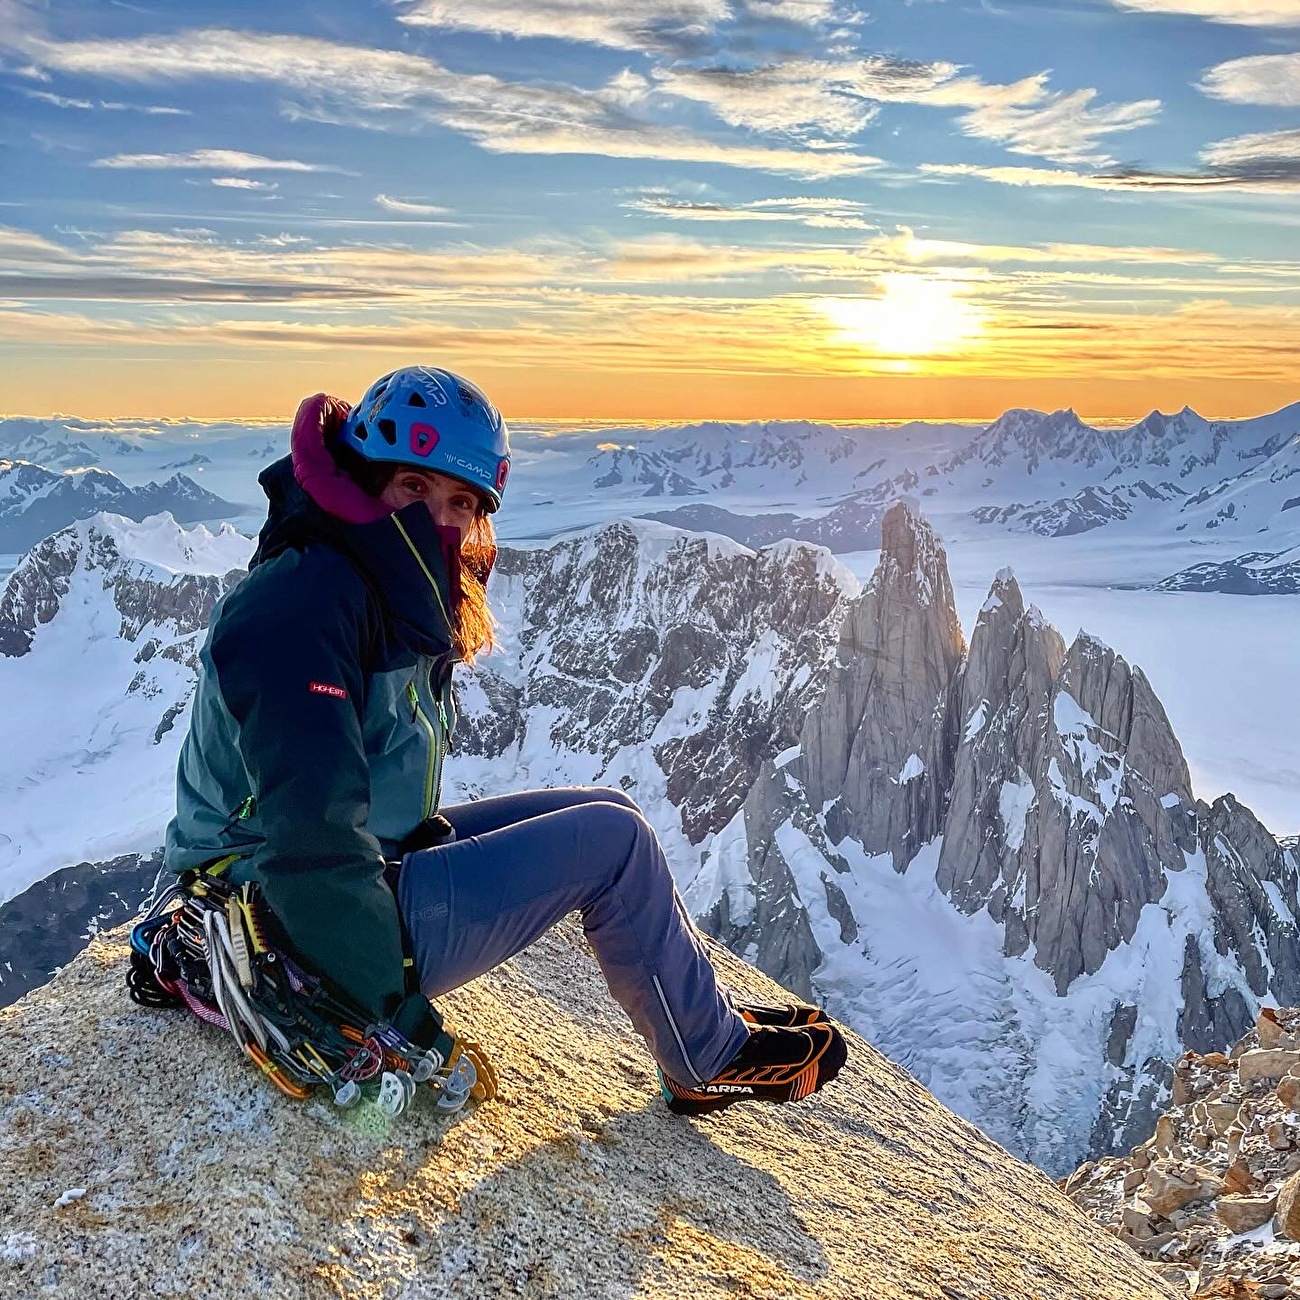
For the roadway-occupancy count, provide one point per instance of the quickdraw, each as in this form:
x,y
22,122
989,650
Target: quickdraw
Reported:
x,y
206,945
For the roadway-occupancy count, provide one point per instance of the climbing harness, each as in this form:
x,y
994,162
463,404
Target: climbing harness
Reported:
x,y
207,944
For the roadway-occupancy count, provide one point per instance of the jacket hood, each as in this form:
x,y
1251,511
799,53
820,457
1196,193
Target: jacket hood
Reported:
x,y
410,563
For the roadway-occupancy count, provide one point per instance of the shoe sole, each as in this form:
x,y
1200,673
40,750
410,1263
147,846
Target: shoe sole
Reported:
x,y
812,1078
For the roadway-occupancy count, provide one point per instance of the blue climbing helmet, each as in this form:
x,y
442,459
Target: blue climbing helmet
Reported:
x,y
434,420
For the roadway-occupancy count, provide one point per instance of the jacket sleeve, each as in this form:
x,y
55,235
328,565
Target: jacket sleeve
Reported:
x,y
289,650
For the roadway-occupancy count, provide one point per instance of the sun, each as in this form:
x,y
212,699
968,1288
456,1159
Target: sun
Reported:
x,y
913,316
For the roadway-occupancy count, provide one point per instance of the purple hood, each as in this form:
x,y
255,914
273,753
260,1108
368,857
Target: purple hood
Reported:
x,y
316,471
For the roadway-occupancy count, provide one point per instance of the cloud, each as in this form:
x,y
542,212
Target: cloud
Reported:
x,y
1251,13
804,13
166,289
1267,148
673,27
819,213
138,264
232,160
1060,126
799,94
391,204
367,87
842,98
1266,162
904,246
1269,79
667,26
111,106
242,183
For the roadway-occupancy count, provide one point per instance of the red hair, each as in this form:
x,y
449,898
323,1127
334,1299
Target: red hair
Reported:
x,y
475,627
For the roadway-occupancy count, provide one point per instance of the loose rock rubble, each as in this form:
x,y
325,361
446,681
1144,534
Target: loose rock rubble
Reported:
x,y
1212,1198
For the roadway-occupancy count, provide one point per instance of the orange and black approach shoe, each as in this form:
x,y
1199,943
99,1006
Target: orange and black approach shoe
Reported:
x,y
788,1015
775,1064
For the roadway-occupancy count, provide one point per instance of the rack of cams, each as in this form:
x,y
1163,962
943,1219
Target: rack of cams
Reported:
x,y
204,945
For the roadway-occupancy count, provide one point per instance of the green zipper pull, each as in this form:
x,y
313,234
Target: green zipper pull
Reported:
x,y
446,726
245,809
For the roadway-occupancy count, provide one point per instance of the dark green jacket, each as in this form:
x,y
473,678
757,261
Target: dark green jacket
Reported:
x,y
320,724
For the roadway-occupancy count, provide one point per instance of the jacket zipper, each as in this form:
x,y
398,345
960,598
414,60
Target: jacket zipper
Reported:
x,y
446,749
433,769
240,814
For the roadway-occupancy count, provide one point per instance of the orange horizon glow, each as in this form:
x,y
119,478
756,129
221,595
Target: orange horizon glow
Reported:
x,y
646,398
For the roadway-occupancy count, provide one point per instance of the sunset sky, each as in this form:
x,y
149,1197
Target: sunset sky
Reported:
x,y
666,209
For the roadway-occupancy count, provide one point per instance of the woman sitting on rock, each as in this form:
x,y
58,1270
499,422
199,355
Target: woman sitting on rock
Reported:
x,y
322,720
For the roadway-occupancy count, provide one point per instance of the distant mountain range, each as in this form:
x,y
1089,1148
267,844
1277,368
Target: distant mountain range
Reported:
x,y
1257,573
35,501
1229,488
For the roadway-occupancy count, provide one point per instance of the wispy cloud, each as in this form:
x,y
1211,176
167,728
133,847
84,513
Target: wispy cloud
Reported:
x,y
1252,13
390,204
1268,79
803,13
800,94
905,246
242,183
1061,126
1266,162
139,265
369,86
105,105
230,160
781,337
842,98
818,213
1260,150
669,26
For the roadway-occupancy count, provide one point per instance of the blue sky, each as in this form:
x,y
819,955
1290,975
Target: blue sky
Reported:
x,y
929,207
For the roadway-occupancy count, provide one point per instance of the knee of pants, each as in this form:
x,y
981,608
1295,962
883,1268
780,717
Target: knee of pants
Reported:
x,y
612,794
619,831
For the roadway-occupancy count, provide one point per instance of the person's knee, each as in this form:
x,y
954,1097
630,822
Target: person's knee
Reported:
x,y
619,831
611,794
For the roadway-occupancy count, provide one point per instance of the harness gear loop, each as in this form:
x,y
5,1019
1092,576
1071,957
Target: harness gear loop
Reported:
x,y
210,945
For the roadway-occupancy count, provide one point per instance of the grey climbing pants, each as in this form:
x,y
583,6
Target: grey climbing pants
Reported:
x,y
520,862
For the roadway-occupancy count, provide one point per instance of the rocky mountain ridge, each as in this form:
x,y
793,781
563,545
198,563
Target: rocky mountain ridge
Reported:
x,y
100,626
987,858
1256,573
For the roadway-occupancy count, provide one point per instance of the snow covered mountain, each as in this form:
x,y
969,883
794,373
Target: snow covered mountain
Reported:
x,y
224,457
1028,472
99,628
988,859
35,502
1257,573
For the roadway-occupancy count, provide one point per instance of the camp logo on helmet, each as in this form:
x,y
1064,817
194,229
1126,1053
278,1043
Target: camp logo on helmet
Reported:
x,y
475,471
424,438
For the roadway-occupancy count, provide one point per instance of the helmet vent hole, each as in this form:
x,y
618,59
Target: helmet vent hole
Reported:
x,y
416,399
361,431
389,429
379,388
